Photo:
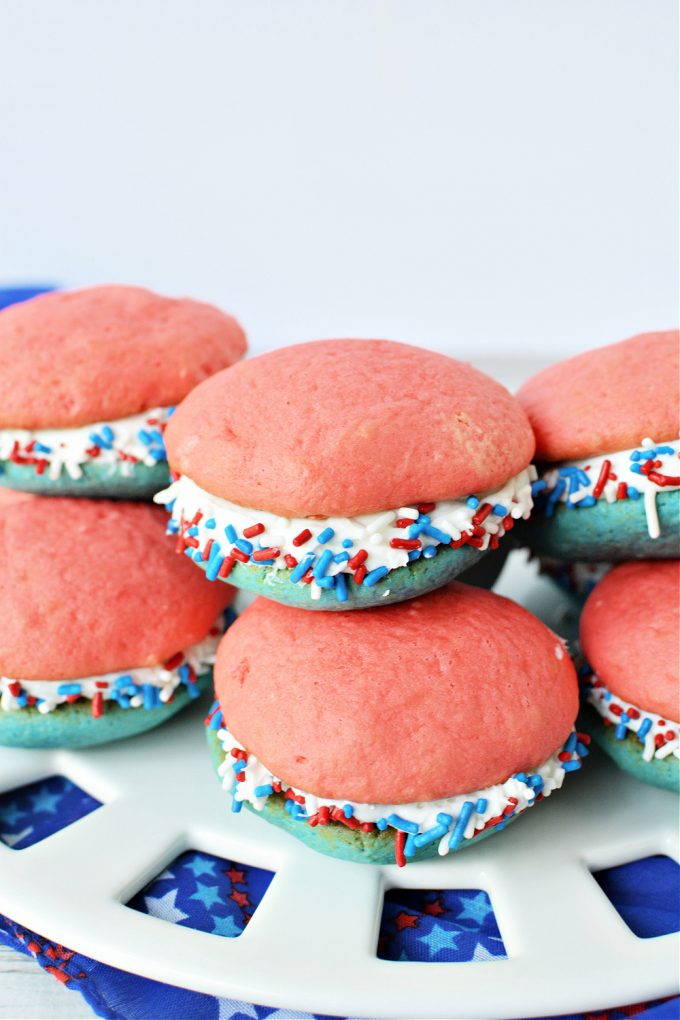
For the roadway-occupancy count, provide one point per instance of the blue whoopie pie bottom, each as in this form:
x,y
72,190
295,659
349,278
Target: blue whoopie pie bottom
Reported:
x,y
627,753
99,481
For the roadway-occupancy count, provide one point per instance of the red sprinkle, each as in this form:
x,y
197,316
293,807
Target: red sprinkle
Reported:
x,y
238,555
482,514
290,561
303,537
208,546
174,661
621,490
360,574
404,522
97,705
255,529
227,566
359,557
265,554
602,479
399,844
426,508
405,543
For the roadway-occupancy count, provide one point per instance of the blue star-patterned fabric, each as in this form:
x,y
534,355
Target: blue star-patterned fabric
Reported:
x,y
430,926
31,813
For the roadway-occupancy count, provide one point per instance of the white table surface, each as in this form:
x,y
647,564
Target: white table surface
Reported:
x,y
28,993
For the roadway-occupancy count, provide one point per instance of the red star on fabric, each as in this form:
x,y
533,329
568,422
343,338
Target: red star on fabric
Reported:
x,y
236,876
241,898
434,907
404,920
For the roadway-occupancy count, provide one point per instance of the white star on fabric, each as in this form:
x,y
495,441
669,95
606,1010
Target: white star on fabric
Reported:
x,y
207,895
164,877
12,838
165,907
481,953
226,1009
476,908
440,938
46,801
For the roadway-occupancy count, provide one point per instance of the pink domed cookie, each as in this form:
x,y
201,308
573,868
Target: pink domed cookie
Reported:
x,y
98,615
403,714
368,450
606,425
88,379
8,497
629,635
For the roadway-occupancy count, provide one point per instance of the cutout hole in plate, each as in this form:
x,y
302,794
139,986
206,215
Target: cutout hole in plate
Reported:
x,y
439,926
29,814
204,892
645,893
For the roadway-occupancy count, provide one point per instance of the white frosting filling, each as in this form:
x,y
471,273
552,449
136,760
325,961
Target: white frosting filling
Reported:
x,y
142,687
119,444
660,737
580,483
425,818
207,521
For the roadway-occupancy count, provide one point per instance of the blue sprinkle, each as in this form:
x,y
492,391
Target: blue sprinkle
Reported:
x,y
347,810
499,510
340,587
632,492
625,718
184,673
645,727
481,805
635,455
621,732
326,582
414,530
347,543
435,533
264,791
341,557
210,523
444,819
149,696
192,532
375,575
429,552
303,566
124,681
231,533
244,546
325,536
214,567
41,448
582,750
189,552
172,527
429,836
665,449
107,433
461,824
423,519
636,469
236,805
415,554
144,436
157,454
410,845
571,766
382,824
169,506
239,766
538,486
472,502
571,742
521,777
536,783
325,560
22,700
217,721
194,691
586,501
66,689
198,556
401,823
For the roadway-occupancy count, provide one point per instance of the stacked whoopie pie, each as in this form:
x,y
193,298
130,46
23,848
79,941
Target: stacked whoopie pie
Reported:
x,y
347,475
103,630
608,526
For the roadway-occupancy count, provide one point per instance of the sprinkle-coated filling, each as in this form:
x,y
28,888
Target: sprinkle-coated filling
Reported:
x,y
119,445
659,737
322,552
625,474
446,822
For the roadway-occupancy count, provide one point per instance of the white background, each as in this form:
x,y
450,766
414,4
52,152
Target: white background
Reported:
x,y
486,177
